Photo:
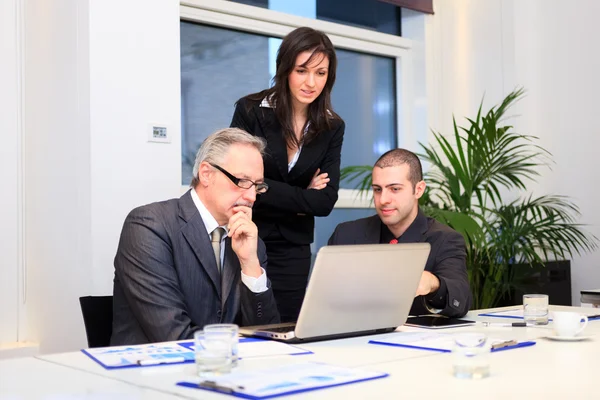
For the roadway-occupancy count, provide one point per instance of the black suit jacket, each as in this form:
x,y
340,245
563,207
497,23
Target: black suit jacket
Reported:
x,y
288,204
447,259
166,279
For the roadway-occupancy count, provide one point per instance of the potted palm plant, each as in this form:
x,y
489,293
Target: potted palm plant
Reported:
x,y
471,174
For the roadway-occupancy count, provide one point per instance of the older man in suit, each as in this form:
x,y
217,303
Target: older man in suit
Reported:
x,y
397,186
184,263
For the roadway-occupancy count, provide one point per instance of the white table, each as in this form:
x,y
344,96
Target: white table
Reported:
x,y
547,370
32,378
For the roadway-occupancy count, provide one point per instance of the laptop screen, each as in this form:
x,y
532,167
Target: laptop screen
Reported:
x,y
355,288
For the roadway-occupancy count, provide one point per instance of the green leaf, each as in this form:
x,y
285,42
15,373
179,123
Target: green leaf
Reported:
x,y
471,170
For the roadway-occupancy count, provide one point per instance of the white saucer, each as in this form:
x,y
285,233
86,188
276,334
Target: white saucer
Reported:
x,y
567,338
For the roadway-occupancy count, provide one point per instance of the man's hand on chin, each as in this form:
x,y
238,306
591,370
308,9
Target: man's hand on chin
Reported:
x,y
244,240
429,283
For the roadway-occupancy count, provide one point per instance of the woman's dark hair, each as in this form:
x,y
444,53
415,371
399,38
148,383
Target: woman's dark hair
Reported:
x,y
320,112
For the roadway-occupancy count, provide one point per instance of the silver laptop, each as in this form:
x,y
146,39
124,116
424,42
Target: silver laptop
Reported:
x,y
354,290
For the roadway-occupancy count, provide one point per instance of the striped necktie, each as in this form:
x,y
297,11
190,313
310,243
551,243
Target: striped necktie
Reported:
x,y
215,239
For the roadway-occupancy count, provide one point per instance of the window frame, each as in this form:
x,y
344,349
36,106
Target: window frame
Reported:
x,y
241,17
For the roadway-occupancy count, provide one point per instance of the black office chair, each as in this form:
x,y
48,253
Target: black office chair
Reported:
x,y
97,317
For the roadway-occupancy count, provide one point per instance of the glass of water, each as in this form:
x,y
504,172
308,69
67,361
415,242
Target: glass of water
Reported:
x,y
471,356
213,353
233,331
535,309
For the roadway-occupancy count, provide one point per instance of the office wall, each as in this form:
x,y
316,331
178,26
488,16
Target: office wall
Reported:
x,y
98,73
557,60
56,173
9,167
490,47
465,59
134,82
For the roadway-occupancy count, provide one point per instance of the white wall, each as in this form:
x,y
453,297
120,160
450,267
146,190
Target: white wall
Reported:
x,y
56,175
9,166
98,73
465,59
493,46
556,58
134,81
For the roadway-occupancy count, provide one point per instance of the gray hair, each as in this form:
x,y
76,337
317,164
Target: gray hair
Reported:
x,y
214,147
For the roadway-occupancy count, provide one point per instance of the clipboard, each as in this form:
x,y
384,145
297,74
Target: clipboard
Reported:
x,y
250,347
145,355
284,380
169,353
441,343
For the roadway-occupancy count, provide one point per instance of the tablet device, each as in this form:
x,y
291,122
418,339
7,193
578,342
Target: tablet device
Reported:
x,y
437,322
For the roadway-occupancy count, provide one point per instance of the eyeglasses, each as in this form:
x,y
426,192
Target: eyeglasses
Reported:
x,y
243,183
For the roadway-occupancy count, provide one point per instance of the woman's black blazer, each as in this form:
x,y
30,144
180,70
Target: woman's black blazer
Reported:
x,y
288,204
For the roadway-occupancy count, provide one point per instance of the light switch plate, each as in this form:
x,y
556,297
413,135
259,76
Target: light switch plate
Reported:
x,y
159,133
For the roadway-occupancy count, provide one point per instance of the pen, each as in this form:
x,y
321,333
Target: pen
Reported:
x,y
509,325
159,361
219,387
520,324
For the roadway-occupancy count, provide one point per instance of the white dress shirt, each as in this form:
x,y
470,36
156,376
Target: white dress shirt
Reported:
x,y
256,285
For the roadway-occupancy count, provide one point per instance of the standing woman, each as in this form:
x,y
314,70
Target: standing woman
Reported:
x,y
302,162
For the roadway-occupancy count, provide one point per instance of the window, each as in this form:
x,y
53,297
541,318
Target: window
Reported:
x,y
364,95
218,66
368,14
229,51
324,227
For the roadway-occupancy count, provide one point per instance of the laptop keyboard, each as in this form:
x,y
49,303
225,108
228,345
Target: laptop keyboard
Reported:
x,y
287,328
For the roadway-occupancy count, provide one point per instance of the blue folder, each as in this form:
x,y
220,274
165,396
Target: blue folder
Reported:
x,y
181,352
128,360
495,315
238,391
410,346
499,316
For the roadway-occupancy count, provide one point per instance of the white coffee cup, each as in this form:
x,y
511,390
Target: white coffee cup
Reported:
x,y
568,324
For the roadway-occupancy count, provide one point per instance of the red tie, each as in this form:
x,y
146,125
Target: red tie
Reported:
x,y
394,241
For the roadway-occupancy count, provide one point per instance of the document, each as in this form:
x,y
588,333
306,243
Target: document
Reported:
x,y
265,348
288,379
442,342
181,352
140,355
253,347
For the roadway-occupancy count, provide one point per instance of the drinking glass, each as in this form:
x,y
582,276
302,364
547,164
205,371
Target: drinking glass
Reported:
x,y
233,331
213,353
471,356
535,309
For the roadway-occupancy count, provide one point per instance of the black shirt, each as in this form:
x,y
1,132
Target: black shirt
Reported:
x,y
435,299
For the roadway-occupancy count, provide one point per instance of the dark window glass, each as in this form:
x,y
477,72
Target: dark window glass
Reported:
x,y
364,95
218,66
368,14
324,227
